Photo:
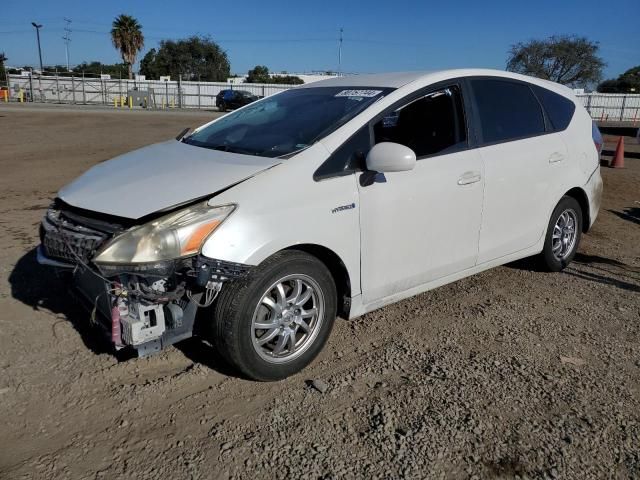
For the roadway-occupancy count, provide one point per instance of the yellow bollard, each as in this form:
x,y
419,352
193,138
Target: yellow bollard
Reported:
x,y
173,102
21,96
115,102
130,102
6,97
162,103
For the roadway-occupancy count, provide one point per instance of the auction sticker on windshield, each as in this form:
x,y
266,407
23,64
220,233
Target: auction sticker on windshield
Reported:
x,y
358,93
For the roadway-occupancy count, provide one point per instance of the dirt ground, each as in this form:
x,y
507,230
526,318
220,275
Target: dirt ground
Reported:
x,y
513,373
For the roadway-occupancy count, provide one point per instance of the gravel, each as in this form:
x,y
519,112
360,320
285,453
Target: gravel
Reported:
x,y
513,373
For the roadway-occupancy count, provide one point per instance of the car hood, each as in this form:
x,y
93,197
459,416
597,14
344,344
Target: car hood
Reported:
x,y
159,176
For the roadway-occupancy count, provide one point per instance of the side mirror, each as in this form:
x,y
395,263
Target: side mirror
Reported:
x,y
390,157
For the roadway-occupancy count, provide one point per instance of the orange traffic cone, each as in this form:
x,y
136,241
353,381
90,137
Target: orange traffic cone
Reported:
x,y
618,158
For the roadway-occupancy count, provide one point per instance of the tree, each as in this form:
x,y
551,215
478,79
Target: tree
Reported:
x,y
260,74
55,68
3,73
126,35
286,80
17,71
96,68
194,58
628,82
149,65
565,59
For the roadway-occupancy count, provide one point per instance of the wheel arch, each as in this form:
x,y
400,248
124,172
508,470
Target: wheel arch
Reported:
x,y
580,196
338,271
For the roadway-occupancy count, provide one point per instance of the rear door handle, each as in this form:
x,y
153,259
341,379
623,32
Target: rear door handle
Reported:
x,y
469,177
556,157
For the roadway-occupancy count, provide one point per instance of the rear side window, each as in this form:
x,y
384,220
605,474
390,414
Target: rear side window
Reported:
x,y
507,110
559,109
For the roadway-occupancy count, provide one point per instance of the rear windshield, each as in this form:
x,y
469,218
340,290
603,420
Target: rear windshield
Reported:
x,y
288,122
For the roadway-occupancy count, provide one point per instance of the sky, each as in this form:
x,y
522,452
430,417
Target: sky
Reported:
x,y
302,36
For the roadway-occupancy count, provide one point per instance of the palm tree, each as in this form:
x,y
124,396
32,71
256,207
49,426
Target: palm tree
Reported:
x,y
126,34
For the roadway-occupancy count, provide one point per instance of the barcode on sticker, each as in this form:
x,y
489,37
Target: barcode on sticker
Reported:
x,y
358,93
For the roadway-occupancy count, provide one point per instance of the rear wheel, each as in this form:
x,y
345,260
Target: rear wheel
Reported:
x,y
563,235
275,321
222,107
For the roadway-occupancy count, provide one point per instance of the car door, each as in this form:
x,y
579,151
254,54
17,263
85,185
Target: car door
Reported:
x,y
233,99
423,224
229,98
520,161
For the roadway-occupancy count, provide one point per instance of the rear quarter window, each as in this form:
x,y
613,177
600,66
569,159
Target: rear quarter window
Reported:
x,y
507,110
559,109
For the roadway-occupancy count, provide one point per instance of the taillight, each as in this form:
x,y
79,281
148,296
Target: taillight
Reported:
x,y
598,147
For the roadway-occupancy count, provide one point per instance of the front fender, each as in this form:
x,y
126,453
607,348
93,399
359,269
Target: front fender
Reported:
x,y
285,207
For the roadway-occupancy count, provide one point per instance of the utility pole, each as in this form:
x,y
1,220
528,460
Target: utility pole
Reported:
x,y
67,39
38,27
340,52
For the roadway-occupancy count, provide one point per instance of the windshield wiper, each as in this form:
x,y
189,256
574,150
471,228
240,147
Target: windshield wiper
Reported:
x,y
230,149
183,134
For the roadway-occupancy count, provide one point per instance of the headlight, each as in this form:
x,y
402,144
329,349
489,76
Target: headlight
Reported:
x,y
173,236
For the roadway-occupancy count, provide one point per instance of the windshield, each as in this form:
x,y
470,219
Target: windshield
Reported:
x,y
287,122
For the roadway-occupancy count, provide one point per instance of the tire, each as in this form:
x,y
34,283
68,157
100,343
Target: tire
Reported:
x,y
222,107
285,346
563,235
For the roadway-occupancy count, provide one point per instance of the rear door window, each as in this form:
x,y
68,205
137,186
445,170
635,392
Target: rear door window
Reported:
x,y
507,110
559,109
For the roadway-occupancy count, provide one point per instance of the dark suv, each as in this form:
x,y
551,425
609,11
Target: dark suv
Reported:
x,y
230,99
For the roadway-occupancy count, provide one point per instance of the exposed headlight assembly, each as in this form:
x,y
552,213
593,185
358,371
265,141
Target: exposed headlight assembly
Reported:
x,y
176,235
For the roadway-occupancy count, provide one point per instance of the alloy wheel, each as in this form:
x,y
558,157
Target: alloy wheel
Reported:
x,y
288,318
563,238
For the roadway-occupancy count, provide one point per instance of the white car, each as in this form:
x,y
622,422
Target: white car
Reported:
x,y
334,198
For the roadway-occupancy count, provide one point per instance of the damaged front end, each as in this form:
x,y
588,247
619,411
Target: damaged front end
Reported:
x,y
143,282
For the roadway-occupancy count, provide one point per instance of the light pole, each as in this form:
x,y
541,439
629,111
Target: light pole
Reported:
x,y
67,39
340,53
38,27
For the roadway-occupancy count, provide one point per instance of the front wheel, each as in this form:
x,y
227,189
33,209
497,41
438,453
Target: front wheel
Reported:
x,y
563,235
275,321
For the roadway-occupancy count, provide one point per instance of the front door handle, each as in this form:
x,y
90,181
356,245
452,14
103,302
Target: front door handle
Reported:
x,y
556,157
469,177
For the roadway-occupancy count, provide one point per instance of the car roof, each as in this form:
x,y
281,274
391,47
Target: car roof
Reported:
x,y
391,80
400,79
